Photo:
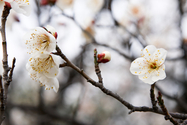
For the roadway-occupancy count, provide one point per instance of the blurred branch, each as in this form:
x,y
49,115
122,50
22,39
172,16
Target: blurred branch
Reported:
x,y
95,42
181,102
110,93
47,113
164,109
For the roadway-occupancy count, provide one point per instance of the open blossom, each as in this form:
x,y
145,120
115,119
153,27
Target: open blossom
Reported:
x,y
40,41
45,69
104,57
150,67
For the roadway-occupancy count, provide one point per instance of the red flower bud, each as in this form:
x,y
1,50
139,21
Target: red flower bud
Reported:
x,y
8,5
104,57
46,2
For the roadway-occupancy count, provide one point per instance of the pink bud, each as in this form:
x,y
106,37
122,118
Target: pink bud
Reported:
x,y
51,30
44,2
55,35
104,57
8,5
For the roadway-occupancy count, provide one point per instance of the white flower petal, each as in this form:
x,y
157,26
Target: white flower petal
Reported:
x,y
52,72
50,83
148,80
149,51
21,6
146,77
159,74
160,56
138,66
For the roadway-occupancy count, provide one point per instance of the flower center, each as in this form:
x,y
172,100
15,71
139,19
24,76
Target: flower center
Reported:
x,y
42,64
153,65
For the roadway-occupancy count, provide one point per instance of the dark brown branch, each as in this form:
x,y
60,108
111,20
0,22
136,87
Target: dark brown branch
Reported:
x,y
114,95
11,71
63,65
4,88
152,95
164,109
97,69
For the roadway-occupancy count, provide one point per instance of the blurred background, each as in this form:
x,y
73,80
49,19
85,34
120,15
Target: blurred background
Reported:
x,y
123,27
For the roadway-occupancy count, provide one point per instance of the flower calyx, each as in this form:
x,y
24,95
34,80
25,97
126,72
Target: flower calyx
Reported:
x,y
51,30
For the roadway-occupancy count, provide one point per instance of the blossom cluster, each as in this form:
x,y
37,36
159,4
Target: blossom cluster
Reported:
x,y
20,6
43,66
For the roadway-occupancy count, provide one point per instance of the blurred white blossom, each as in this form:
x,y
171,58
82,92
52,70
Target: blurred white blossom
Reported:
x,y
150,67
126,12
63,4
92,7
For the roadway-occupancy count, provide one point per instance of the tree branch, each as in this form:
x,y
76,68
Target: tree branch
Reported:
x,y
164,109
5,83
114,95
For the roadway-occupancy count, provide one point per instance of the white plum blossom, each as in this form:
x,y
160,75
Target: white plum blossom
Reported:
x,y
129,12
150,67
40,41
63,4
45,69
21,6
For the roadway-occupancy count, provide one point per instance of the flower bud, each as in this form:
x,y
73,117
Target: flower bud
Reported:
x,y
51,30
8,5
104,57
46,2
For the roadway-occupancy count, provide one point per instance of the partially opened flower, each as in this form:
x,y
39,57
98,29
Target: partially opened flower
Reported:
x,y
104,57
40,41
45,69
150,67
21,6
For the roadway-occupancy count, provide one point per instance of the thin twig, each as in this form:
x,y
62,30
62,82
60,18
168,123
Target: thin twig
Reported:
x,y
164,109
11,71
152,95
97,69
